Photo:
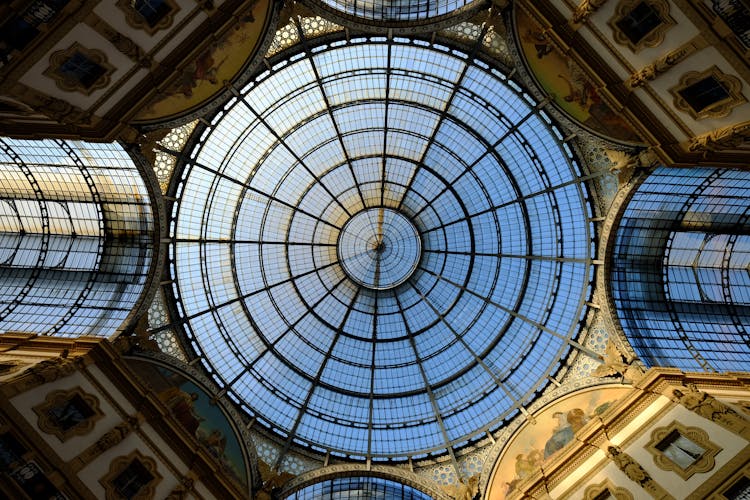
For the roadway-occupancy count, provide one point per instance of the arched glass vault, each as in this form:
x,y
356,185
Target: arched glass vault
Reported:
x,y
381,248
400,14
680,278
76,239
358,488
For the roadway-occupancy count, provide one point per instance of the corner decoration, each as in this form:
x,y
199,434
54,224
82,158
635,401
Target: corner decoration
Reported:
x,y
708,94
131,476
78,69
68,413
641,23
684,450
147,17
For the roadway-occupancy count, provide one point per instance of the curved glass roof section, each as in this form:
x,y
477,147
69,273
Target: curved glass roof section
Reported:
x,y
76,237
358,488
425,149
400,11
680,264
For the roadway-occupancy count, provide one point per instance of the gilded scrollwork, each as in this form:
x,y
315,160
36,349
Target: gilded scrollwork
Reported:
x,y
711,408
726,138
585,9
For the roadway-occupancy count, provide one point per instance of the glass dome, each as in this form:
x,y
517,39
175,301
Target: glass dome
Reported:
x,y
381,248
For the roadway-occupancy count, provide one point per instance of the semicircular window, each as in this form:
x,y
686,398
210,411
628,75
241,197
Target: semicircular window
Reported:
x,y
381,249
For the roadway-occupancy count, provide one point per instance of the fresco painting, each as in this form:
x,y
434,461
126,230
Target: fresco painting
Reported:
x,y
204,77
564,79
555,426
191,406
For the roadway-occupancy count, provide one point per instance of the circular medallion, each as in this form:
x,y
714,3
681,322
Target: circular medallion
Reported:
x,y
379,248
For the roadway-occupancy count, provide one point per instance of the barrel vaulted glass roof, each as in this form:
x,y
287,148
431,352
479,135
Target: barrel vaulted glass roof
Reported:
x,y
381,248
398,11
76,237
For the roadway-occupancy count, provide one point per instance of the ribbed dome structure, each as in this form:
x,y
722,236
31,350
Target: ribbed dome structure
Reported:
x,y
381,248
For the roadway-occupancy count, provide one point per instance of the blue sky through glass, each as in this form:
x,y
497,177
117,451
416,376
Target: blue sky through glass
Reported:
x,y
444,142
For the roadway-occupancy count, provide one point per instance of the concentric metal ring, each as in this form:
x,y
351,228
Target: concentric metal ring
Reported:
x,y
379,248
274,256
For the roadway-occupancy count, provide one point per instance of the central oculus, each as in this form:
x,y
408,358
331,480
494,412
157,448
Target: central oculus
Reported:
x,y
379,248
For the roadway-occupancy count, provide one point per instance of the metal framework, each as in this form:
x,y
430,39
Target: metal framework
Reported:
x,y
358,488
680,280
368,125
401,16
75,243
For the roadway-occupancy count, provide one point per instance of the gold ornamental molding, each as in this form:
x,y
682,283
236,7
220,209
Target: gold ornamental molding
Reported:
x,y
164,15
703,462
727,89
68,413
595,491
134,464
654,37
78,69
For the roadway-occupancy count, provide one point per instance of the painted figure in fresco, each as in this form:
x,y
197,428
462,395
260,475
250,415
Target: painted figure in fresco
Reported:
x,y
204,68
577,419
540,42
181,405
526,465
214,441
562,435
568,423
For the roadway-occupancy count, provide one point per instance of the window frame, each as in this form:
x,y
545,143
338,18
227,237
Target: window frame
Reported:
x,y
704,463
56,399
719,109
616,492
119,465
653,37
71,84
137,20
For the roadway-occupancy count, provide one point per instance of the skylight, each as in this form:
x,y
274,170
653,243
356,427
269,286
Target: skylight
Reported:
x,y
381,248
